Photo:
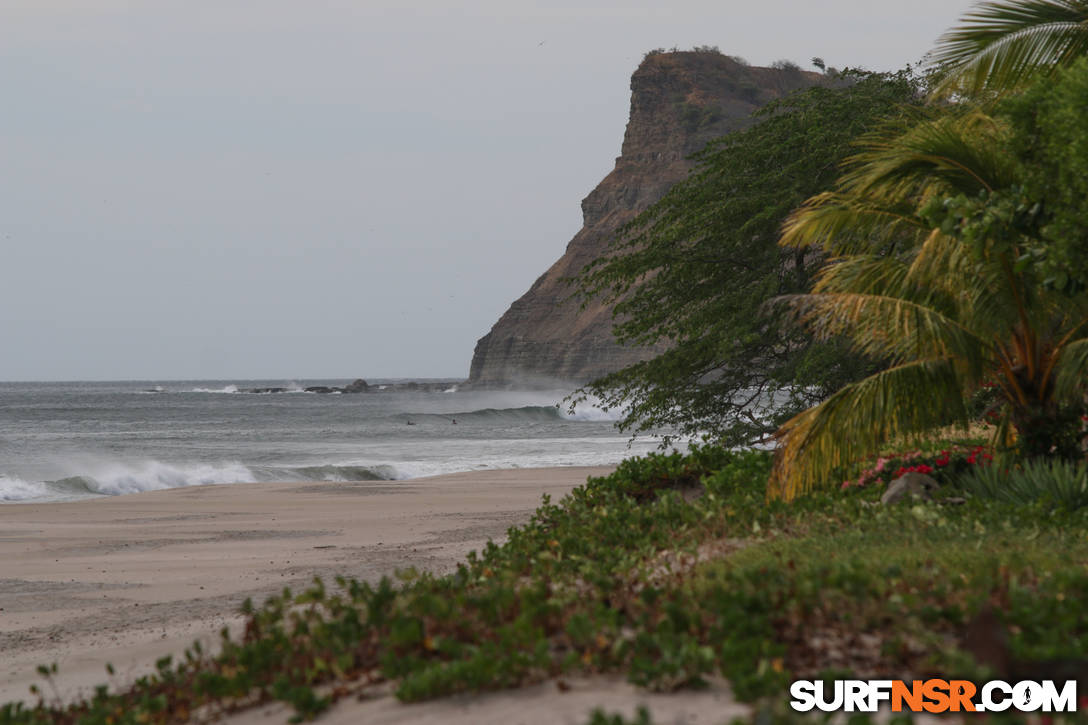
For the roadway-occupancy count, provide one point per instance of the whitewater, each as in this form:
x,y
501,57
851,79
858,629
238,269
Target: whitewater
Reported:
x,y
69,441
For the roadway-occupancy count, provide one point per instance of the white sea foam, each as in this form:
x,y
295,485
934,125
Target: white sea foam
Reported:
x,y
16,489
527,453
224,389
120,478
150,446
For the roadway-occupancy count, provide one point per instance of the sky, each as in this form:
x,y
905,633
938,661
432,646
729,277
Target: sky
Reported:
x,y
300,189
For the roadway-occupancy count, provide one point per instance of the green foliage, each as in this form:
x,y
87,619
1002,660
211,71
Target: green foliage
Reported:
x,y
627,574
786,65
669,659
696,269
932,235
1002,45
1053,482
599,717
644,477
695,116
1049,138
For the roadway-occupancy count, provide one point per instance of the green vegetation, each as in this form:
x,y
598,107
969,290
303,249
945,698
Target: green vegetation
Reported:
x,y
958,227
1050,143
697,268
599,717
690,572
1004,44
1056,482
695,116
953,256
943,266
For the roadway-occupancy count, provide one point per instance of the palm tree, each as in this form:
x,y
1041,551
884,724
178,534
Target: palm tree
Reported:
x,y
1001,44
928,235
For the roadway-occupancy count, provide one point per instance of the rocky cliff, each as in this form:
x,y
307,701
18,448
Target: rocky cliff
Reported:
x,y
679,101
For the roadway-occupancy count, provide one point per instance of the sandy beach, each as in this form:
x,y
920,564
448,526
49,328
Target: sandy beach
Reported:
x,y
127,579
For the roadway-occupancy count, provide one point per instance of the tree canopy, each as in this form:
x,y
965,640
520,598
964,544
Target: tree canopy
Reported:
x,y
1051,143
696,269
945,236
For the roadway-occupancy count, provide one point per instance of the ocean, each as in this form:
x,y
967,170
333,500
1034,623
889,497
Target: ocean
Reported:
x,y
68,441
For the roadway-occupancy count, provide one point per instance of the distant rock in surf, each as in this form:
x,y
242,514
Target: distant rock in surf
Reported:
x,y
358,386
361,386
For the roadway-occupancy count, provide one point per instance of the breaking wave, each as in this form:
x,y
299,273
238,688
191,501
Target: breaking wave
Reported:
x,y
522,414
16,489
224,389
119,479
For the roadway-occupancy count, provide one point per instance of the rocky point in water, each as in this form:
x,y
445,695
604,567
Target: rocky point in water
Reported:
x,y
357,386
679,102
361,386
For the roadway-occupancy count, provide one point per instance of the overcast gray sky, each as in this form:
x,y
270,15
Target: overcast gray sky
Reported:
x,y
329,188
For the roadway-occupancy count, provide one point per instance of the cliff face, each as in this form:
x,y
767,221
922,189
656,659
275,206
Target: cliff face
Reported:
x,y
679,101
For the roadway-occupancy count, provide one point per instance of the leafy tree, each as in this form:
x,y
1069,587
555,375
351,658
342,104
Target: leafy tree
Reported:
x,y
1051,142
1004,44
695,270
931,231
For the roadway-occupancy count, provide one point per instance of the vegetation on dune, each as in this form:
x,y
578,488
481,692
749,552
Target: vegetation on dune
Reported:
x,y
689,573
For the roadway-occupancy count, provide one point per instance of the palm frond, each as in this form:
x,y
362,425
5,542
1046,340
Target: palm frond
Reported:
x,y
1001,44
845,225
891,327
864,274
893,175
942,261
1071,371
952,154
900,402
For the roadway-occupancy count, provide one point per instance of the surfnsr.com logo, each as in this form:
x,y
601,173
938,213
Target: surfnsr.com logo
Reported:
x,y
933,696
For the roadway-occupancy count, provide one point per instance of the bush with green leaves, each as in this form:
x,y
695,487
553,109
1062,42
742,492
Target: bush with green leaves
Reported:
x,y
599,717
1045,482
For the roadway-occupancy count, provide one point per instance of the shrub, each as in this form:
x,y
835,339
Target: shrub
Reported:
x,y
1054,482
944,465
786,65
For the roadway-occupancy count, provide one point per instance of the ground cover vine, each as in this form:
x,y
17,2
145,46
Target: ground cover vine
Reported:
x,y
673,570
